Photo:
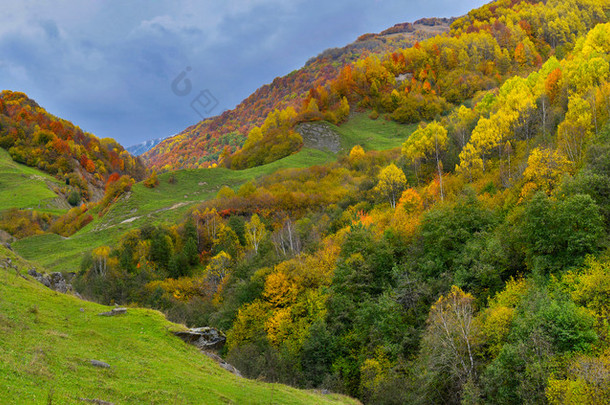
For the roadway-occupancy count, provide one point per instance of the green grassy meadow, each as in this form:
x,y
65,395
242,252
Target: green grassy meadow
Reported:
x,y
371,134
25,187
167,203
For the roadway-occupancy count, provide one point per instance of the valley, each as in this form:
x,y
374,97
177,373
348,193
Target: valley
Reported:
x,y
419,217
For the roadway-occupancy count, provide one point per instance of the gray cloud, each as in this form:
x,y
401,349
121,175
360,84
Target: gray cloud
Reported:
x,y
108,65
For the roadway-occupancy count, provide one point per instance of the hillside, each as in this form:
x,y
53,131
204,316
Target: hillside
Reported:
x,y
169,201
405,84
48,340
202,144
470,265
430,225
38,139
27,188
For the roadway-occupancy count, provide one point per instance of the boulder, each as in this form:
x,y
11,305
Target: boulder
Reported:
x,y
206,338
100,364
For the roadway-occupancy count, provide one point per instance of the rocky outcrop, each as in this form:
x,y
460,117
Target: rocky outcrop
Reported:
x,y
206,338
319,135
55,281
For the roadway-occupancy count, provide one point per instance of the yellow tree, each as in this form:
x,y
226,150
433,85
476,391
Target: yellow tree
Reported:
x,y
356,156
425,142
462,120
100,257
211,221
255,232
343,110
545,168
392,182
576,129
218,268
514,105
356,153
225,192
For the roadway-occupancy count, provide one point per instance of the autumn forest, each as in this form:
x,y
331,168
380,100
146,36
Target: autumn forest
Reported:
x,y
453,249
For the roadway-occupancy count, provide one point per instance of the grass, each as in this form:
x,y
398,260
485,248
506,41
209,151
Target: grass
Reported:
x,y
25,187
48,339
371,134
168,202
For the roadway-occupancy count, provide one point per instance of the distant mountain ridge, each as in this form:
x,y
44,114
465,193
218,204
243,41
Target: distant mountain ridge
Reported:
x,y
143,147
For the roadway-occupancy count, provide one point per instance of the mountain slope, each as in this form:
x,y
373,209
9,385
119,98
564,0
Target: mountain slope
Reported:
x,y
48,339
405,83
376,274
38,139
201,144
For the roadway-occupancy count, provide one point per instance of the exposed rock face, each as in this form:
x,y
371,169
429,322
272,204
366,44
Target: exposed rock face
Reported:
x,y
319,135
205,338
55,281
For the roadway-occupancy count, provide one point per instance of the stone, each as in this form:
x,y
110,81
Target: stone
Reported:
x,y
115,311
100,364
404,77
206,338
55,281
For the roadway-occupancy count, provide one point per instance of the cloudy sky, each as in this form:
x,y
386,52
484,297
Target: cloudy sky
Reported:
x,y
108,65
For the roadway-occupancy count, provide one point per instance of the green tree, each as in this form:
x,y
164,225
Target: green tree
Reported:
x,y
559,234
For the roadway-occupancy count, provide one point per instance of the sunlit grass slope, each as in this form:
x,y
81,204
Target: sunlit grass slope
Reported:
x,y
48,339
